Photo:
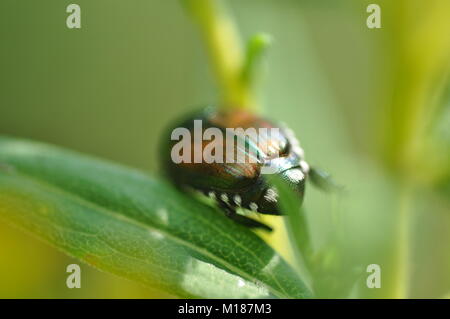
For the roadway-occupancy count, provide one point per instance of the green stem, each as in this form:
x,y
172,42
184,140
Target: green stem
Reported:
x,y
256,47
225,50
402,250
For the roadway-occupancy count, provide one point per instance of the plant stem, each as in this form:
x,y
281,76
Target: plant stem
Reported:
x,y
225,50
420,66
402,251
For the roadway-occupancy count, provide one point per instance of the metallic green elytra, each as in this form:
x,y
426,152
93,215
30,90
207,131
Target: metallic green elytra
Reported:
x,y
234,184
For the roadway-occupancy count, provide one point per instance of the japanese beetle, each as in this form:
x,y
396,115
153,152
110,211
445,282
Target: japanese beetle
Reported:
x,y
235,184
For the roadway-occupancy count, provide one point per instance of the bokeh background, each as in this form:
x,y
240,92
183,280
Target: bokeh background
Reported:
x,y
111,88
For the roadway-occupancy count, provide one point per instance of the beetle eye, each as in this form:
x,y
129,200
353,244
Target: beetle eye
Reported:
x,y
277,146
285,148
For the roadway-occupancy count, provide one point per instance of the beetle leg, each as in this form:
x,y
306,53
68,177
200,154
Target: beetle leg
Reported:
x,y
323,180
249,222
230,212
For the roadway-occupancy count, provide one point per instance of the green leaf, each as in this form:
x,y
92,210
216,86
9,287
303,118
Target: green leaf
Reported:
x,y
123,221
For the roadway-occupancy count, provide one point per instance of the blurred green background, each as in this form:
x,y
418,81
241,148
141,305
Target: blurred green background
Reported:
x,y
111,87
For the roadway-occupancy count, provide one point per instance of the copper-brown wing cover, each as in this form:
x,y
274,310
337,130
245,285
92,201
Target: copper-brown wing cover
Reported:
x,y
233,177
